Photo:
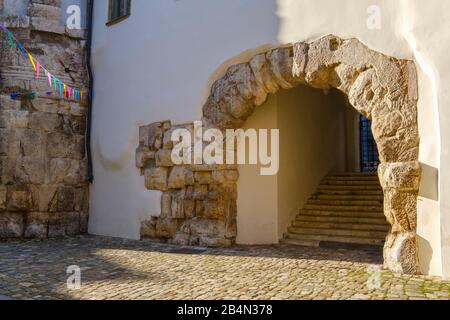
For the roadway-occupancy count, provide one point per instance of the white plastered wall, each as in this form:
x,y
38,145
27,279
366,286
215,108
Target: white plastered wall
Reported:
x,y
160,63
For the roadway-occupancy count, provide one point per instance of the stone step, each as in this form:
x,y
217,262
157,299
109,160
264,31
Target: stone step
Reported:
x,y
327,238
378,198
341,225
353,174
349,188
299,242
339,232
331,219
353,214
326,207
330,182
328,191
372,203
352,178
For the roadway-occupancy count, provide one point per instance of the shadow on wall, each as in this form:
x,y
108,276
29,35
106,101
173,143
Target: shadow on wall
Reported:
x,y
429,186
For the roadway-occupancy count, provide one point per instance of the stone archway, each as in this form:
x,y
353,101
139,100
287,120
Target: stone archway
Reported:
x,y
199,202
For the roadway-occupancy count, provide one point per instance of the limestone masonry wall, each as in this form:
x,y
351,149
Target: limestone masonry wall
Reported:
x,y
43,187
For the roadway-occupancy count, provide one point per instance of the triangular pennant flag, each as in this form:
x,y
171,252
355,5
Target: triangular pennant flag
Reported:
x,y
11,40
32,61
22,50
55,82
49,77
60,88
38,70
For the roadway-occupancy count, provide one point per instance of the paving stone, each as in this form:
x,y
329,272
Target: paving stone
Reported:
x,y
115,269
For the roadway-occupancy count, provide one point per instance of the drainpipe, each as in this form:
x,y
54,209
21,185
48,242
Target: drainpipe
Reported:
x,y
90,96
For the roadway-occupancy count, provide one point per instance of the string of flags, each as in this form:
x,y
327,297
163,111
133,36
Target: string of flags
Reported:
x,y
54,83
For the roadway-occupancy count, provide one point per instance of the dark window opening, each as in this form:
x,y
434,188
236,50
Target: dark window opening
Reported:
x,y
369,151
118,10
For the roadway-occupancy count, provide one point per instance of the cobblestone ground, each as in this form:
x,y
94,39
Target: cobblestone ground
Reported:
x,y
120,269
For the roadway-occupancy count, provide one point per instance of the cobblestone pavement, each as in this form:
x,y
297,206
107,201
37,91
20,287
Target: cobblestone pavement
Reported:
x,y
124,269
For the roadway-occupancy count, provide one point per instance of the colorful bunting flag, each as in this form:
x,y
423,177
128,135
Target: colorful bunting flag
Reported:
x,y
62,88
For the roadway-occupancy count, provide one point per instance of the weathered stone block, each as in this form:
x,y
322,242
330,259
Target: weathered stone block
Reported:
x,y
30,170
36,225
7,103
144,156
66,171
225,176
164,158
2,197
73,223
156,179
48,122
45,25
11,225
19,199
400,176
151,136
400,253
57,225
177,205
166,205
17,119
44,197
32,143
203,178
64,145
180,177
66,198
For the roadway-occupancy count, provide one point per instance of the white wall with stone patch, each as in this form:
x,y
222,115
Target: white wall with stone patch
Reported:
x,y
160,63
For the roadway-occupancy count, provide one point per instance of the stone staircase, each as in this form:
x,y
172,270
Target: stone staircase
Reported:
x,y
347,208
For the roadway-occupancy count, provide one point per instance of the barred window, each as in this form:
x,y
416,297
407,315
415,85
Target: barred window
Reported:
x,y
118,10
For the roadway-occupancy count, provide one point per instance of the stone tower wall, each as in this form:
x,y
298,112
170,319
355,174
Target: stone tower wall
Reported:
x,y
44,191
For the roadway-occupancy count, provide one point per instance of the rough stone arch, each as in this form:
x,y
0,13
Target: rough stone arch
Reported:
x,y
199,202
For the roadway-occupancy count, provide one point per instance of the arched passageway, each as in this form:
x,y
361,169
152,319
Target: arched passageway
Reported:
x,y
199,201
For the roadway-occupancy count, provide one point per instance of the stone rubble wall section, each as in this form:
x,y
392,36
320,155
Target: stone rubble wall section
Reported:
x,y
199,206
44,191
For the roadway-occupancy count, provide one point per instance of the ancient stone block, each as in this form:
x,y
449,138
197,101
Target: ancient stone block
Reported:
x,y
166,205
44,197
50,12
401,176
64,145
203,178
36,225
45,121
144,156
30,170
84,222
7,103
156,179
16,119
66,171
45,25
225,176
180,177
57,225
401,208
151,136
2,197
73,223
19,199
166,228
32,143
177,205
164,158
400,253
66,198
11,225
